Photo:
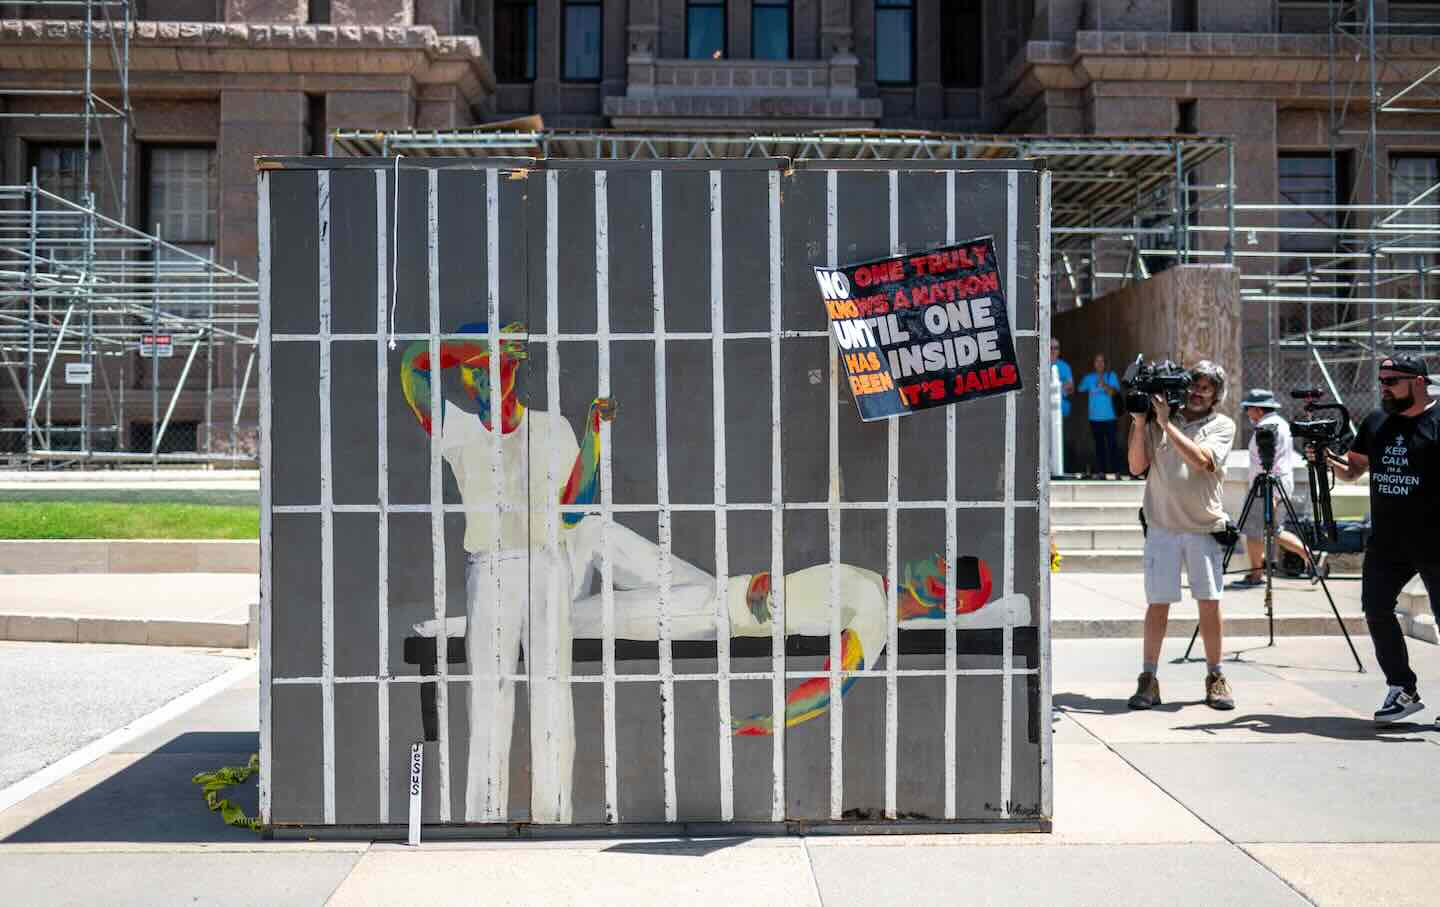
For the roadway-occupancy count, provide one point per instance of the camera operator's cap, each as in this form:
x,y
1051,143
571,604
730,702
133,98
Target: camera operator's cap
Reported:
x,y
1408,365
1259,396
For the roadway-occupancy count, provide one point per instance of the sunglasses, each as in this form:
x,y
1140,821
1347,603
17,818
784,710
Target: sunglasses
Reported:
x,y
1392,380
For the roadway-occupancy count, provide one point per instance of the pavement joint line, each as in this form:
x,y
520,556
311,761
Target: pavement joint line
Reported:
x,y
1261,863
90,752
354,865
1199,818
810,865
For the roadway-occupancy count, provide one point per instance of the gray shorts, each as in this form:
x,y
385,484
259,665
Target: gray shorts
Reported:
x,y
1165,551
1254,525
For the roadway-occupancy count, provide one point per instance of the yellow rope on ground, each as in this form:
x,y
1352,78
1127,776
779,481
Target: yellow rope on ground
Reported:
x,y
215,782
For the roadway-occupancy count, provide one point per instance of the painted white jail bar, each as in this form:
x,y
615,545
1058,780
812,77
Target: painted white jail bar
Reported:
x,y
560,478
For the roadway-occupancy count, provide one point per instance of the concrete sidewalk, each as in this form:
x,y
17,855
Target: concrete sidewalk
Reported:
x,y
1101,605
165,609
214,609
1292,798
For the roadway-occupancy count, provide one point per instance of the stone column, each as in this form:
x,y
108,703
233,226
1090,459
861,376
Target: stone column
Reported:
x,y
439,107
1064,111
1055,20
737,23
642,46
837,30
549,16
251,123
837,47
1128,115
929,96
614,49
1252,123
265,12
385,110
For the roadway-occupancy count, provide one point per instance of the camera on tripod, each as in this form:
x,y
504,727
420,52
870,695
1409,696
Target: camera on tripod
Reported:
x,y
1268,491
1324,432
1265,439
1325,436
1143,379
1333,433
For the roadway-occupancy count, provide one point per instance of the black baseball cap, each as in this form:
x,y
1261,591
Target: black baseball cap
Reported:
x,y
1408,365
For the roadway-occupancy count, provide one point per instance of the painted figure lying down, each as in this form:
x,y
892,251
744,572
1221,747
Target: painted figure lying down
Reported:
x,y
749,603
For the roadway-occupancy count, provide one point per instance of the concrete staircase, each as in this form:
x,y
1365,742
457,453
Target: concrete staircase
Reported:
x,y
1098,531
1096,525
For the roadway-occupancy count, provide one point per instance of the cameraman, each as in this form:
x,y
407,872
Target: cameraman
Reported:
x,y
1263,410
1401,441
1185,455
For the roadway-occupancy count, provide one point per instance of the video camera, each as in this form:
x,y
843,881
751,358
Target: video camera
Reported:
x,y
1323,434
1265,439
1143,379
1333,434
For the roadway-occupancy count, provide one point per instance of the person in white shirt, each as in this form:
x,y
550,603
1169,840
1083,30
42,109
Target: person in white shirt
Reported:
x,y
1263,410
517,483
518,585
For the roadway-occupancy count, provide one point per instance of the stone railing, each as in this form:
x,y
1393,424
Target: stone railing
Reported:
x,y
820,90
833,78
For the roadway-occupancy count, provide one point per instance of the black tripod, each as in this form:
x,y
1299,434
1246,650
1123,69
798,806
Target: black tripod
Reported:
x,y
1265,489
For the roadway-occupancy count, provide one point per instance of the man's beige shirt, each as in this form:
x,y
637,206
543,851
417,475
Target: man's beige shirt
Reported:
x,y
1178,497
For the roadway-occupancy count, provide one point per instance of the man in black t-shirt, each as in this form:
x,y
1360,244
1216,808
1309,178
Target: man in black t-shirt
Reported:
x,y
1400,445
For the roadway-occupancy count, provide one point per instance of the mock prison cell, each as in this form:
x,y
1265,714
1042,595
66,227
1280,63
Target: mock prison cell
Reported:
x,y
563,482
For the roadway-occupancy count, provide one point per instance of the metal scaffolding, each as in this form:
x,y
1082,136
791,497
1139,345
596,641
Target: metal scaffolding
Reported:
x,y
86,299
1118,200
1375,285
81,289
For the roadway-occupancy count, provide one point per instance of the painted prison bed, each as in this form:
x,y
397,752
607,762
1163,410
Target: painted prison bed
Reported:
x,y
525,552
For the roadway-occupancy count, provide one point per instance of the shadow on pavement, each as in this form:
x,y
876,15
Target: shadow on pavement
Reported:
x,y
153,799
691,848
1336,727
1081,704
1343,664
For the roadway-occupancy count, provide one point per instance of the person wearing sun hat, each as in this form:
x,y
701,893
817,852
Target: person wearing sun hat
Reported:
x,y
1263,410
1399,444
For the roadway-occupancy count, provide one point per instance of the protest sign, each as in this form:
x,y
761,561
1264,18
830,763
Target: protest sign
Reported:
x,y
921,330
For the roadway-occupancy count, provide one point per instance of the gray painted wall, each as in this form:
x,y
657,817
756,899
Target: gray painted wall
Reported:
x,y
298,647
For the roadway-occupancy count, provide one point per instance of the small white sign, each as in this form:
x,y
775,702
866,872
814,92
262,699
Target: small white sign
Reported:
x,y
160,346
417,784
77,373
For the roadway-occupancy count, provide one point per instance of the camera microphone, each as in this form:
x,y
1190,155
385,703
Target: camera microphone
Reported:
x,y
1307,393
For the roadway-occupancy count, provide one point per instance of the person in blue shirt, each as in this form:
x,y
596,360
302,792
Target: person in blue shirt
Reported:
x,y
1102,386
1067,387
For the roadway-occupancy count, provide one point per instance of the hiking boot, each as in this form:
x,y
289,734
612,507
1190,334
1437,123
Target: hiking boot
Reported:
x,y
1398,703
1147,692
1217,692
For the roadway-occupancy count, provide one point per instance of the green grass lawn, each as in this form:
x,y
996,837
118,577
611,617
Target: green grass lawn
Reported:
x,y
114,520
